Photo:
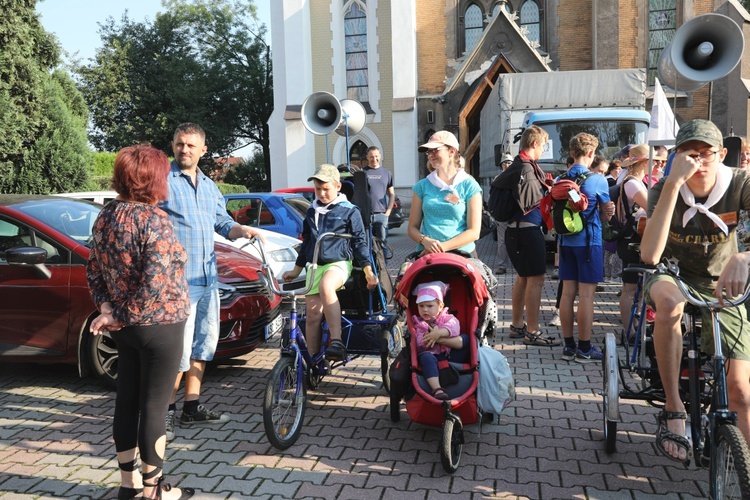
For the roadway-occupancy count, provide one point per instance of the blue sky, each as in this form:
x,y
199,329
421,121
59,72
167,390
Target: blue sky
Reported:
x,y
76,22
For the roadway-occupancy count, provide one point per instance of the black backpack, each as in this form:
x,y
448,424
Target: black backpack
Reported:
x,y
622,225
502,204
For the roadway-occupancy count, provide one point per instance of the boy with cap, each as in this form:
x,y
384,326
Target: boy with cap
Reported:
x,y
692,217
433,327
330,212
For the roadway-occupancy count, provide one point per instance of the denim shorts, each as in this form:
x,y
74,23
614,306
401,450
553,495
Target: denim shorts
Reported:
x,y
202,327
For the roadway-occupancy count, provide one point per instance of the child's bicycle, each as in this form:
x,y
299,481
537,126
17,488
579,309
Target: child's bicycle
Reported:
x,y
285,396
716,440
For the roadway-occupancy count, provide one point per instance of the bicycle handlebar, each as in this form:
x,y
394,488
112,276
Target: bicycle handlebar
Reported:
x,y
674,271
267,274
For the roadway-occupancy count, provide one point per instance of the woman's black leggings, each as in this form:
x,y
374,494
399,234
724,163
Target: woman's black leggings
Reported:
x,y
149,357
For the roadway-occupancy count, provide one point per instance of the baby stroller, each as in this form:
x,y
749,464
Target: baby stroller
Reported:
x,y
468,299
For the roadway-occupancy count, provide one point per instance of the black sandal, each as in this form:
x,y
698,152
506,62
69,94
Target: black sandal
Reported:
x,y
518,333
664,434
336,351
539,339
125,493
440,394
160,486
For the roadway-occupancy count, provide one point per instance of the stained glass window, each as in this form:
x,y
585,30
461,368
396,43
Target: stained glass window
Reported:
x,y
530,20
662,24
355,46
473,26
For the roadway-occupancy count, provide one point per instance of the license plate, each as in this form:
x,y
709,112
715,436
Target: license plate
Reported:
x,y
274,327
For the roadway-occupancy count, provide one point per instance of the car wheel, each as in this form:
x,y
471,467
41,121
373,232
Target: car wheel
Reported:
x,y
103,358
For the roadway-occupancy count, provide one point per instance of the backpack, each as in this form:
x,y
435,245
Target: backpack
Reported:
x,y
561,208
400,374
622,224
502,204
489,224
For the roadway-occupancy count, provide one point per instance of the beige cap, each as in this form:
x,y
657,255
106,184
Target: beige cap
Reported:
x,y
326,173
442,138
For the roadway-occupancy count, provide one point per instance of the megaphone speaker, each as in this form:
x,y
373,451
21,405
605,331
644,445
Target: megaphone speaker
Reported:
x,y
354,117
321,113
704,49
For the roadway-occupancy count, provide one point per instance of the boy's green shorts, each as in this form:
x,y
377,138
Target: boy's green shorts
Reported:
x,y
344,267
735,331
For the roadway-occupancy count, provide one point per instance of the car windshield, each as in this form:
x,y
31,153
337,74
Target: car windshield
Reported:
x,y
612,135
73,218
299,204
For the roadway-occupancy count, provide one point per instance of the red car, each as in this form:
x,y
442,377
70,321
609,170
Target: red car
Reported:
x,y
46,307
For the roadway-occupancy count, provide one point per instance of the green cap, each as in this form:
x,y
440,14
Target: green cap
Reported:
x,y
700,130
326,173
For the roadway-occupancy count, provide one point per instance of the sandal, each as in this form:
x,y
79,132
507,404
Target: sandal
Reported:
x,y
125,493
664,434
440,394
160,486
518,333
336,351
539,339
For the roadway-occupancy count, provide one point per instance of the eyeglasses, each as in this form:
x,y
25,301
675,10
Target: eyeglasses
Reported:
x,y
433,150
705,157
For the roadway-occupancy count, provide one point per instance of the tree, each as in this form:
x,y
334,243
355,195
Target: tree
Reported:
x,y
43,117
201,61
250,173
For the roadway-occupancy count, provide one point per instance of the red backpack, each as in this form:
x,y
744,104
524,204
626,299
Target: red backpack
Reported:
x,y
561,207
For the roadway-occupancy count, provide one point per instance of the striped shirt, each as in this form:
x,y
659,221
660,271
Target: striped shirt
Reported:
x,y
196,213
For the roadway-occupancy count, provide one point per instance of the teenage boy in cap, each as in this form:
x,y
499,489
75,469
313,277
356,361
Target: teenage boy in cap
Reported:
x,y
330,212
692,217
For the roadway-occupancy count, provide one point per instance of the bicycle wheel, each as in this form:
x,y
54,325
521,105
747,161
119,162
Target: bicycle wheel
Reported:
x,y
611,392
730,468
451,444
284,404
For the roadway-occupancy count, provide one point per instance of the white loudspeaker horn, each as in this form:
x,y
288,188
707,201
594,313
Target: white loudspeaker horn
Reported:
x,y
321,113
704,49
354,117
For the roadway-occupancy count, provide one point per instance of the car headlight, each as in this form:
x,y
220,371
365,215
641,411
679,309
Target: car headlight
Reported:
x,y
226,291
283,255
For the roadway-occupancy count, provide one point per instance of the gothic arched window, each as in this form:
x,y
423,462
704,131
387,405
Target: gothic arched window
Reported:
x,y
355,46
473,27
531,20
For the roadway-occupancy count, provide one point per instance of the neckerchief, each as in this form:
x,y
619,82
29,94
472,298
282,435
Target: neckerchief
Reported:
x,y
324,209
723,178
439,183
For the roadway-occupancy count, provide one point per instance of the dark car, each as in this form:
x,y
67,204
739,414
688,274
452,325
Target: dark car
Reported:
x,y
46,308
278,212
394,220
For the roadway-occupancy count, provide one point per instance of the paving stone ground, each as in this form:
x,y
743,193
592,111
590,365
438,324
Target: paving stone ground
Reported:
x,y
55,432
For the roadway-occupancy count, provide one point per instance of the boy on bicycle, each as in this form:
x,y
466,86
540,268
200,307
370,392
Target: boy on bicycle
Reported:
x,y
692,217
330,212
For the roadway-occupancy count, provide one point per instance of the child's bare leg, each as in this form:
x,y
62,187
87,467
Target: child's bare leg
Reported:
x,y
314,315
329,283
433,382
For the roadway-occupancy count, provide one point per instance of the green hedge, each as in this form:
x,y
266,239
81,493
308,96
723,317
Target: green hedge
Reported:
x,y
231,188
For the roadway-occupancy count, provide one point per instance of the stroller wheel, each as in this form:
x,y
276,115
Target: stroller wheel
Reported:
x,y
451,444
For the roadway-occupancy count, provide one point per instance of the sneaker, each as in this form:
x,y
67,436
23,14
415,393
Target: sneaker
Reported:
x,y
593,354
569,353
170,425
599,288
555,321
203,416
501,270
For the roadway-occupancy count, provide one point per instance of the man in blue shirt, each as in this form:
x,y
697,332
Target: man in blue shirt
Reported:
x,y
382,193
581,257
196,207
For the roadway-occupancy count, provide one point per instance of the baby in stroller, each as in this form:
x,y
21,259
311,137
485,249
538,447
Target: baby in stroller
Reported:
x,y
437,331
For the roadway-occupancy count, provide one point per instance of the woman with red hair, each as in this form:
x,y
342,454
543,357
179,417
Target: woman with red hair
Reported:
x,y
136,278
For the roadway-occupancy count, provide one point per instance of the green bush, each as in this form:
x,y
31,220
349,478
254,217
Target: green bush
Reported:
x,y
231,188
104,164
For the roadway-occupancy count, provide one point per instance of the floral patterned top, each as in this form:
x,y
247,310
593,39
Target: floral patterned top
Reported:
x,y
137,264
